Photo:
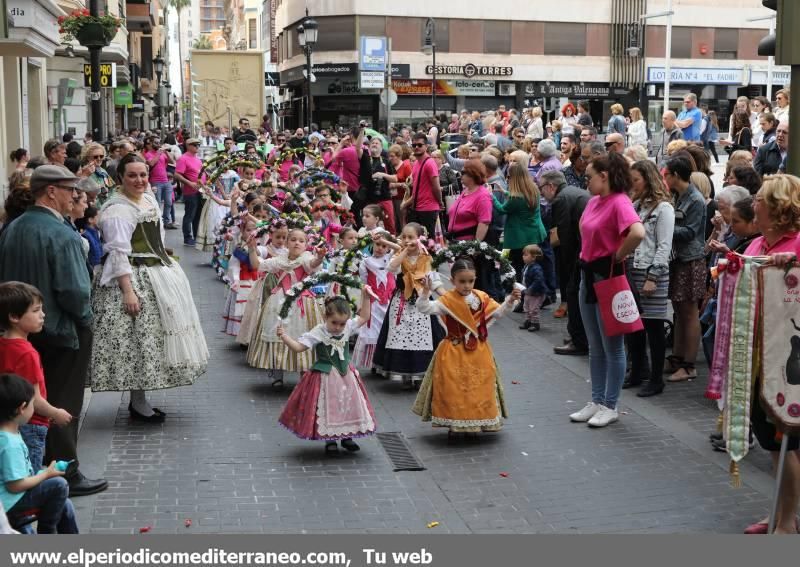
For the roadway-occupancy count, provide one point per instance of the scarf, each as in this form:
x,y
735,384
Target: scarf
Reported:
x,y
414,275
475,320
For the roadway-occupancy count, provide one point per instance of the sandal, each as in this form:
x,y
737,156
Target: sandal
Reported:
x,y
674,363
331,448
684,373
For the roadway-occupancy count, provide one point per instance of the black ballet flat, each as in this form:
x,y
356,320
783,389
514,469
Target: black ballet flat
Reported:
x,y
331,448
350,445
155,410
155,418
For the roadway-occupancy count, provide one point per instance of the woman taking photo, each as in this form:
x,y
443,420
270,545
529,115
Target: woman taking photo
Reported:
x,y
741,136
649,275
523,224
687,282
610,231
777,214
94,154
142,302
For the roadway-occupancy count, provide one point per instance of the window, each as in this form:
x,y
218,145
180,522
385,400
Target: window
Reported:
x,y
336,33
682,42
497,37
252,33
726,43
442,34
564,39
372,26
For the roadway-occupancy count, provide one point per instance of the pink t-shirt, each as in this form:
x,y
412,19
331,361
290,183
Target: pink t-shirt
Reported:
x,y
189,166
604,223
158,172
787,243
469,210
348,166
424,187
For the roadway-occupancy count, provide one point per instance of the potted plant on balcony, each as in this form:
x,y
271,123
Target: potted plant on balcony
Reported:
x,y
90,31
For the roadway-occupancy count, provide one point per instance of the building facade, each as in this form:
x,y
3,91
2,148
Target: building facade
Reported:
x,y
487,56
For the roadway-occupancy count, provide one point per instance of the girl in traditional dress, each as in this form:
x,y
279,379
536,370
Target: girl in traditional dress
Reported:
x,y
374,272
408,338
216,206
462,388
147,332
276,246
266,349
242,275
330,403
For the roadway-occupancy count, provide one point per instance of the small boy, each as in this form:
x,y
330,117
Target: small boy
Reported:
x,y
20,489
21,314
88,228
535,287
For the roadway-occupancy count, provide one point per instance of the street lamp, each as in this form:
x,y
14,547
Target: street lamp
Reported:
x,y
158,67
307,33
165,99
668,53
429,48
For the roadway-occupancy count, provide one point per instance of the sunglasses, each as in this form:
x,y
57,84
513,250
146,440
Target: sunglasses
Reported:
x,y
609,144
418,145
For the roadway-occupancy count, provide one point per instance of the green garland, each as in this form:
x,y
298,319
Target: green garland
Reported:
x,y
348,267
475,250
319,279
230,164
288,153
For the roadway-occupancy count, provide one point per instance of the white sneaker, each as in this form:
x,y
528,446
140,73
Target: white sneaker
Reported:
x,y
586,413
604,417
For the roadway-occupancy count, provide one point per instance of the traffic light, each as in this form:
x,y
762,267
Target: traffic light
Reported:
x,y
782,43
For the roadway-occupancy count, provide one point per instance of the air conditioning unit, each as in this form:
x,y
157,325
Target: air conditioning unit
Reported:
x,y
508,89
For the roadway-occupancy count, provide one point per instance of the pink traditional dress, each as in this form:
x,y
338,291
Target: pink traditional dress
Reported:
x,y
330,402
266,349
261,290
242,278
375,273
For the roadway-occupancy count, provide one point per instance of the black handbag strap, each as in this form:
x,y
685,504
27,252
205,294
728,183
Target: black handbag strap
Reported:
x,y
415,189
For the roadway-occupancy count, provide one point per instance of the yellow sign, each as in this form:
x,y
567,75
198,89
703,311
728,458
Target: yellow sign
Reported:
x,y
108,75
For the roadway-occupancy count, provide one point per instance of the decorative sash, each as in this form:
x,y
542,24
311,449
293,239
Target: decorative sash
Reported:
x,y
474,322
287,279
722,337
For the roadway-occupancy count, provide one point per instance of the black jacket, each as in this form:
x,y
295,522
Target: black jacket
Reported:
x,y
768,159
567,208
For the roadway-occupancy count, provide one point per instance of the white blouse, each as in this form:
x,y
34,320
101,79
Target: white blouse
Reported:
x,y
118,221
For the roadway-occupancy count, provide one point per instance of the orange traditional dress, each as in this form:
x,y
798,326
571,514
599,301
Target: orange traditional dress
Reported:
x,y
462,388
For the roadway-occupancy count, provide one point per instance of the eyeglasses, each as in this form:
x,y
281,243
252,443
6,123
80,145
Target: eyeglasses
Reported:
x,y
418,145
67,188
98,156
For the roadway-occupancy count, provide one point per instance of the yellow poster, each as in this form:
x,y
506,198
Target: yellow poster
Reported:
x,y
229,80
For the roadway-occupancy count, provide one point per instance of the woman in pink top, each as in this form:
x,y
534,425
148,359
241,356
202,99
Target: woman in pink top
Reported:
x,y
471,213
610,231
777,210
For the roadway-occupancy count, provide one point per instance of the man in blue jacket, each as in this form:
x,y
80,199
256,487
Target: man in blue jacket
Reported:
x,y
38,248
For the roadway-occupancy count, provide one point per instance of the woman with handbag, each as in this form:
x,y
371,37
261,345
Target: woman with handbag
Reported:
x,y
649,275
741,135
610,231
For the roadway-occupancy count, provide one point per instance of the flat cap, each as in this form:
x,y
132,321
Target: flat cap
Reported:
x,y
45,175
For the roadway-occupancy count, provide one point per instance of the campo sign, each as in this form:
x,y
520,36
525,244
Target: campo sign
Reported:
x,y
108,75
470,70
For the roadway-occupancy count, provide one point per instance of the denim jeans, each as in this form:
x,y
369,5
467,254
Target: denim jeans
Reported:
x,y
163,192
190,205
56,513
34,437
606,354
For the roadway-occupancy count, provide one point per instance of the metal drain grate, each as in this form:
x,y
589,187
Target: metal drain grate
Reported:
x,y
396,447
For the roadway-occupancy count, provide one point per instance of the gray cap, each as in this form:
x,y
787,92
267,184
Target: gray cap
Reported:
x,y
45,175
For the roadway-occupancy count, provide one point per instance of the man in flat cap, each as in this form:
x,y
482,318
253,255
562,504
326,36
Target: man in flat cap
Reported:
x,y
38,248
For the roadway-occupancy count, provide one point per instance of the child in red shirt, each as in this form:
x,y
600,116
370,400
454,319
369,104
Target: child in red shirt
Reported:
x,y
21,314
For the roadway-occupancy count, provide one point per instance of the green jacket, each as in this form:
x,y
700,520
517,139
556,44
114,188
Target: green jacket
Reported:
x,y
523,224
39,249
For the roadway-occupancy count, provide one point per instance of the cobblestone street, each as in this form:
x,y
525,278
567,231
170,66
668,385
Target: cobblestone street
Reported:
x,y
222,460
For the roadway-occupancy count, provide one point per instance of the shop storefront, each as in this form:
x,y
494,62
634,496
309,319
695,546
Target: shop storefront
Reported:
x,y
415,98
552,96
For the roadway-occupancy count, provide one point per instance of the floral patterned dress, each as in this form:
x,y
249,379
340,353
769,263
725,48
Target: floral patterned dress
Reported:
x,y
163,346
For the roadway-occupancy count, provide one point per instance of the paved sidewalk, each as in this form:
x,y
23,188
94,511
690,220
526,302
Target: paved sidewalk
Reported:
x,y
222,460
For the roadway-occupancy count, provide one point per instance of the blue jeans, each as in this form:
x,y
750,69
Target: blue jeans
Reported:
x,y
191,203
34,437
606,354
163,193
56,513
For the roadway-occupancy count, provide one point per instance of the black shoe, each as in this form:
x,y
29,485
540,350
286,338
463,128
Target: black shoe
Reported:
x,y
571,349
350,445
525,325
631,383
534,327
79,485
331,448
157,417
651,389
715,436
